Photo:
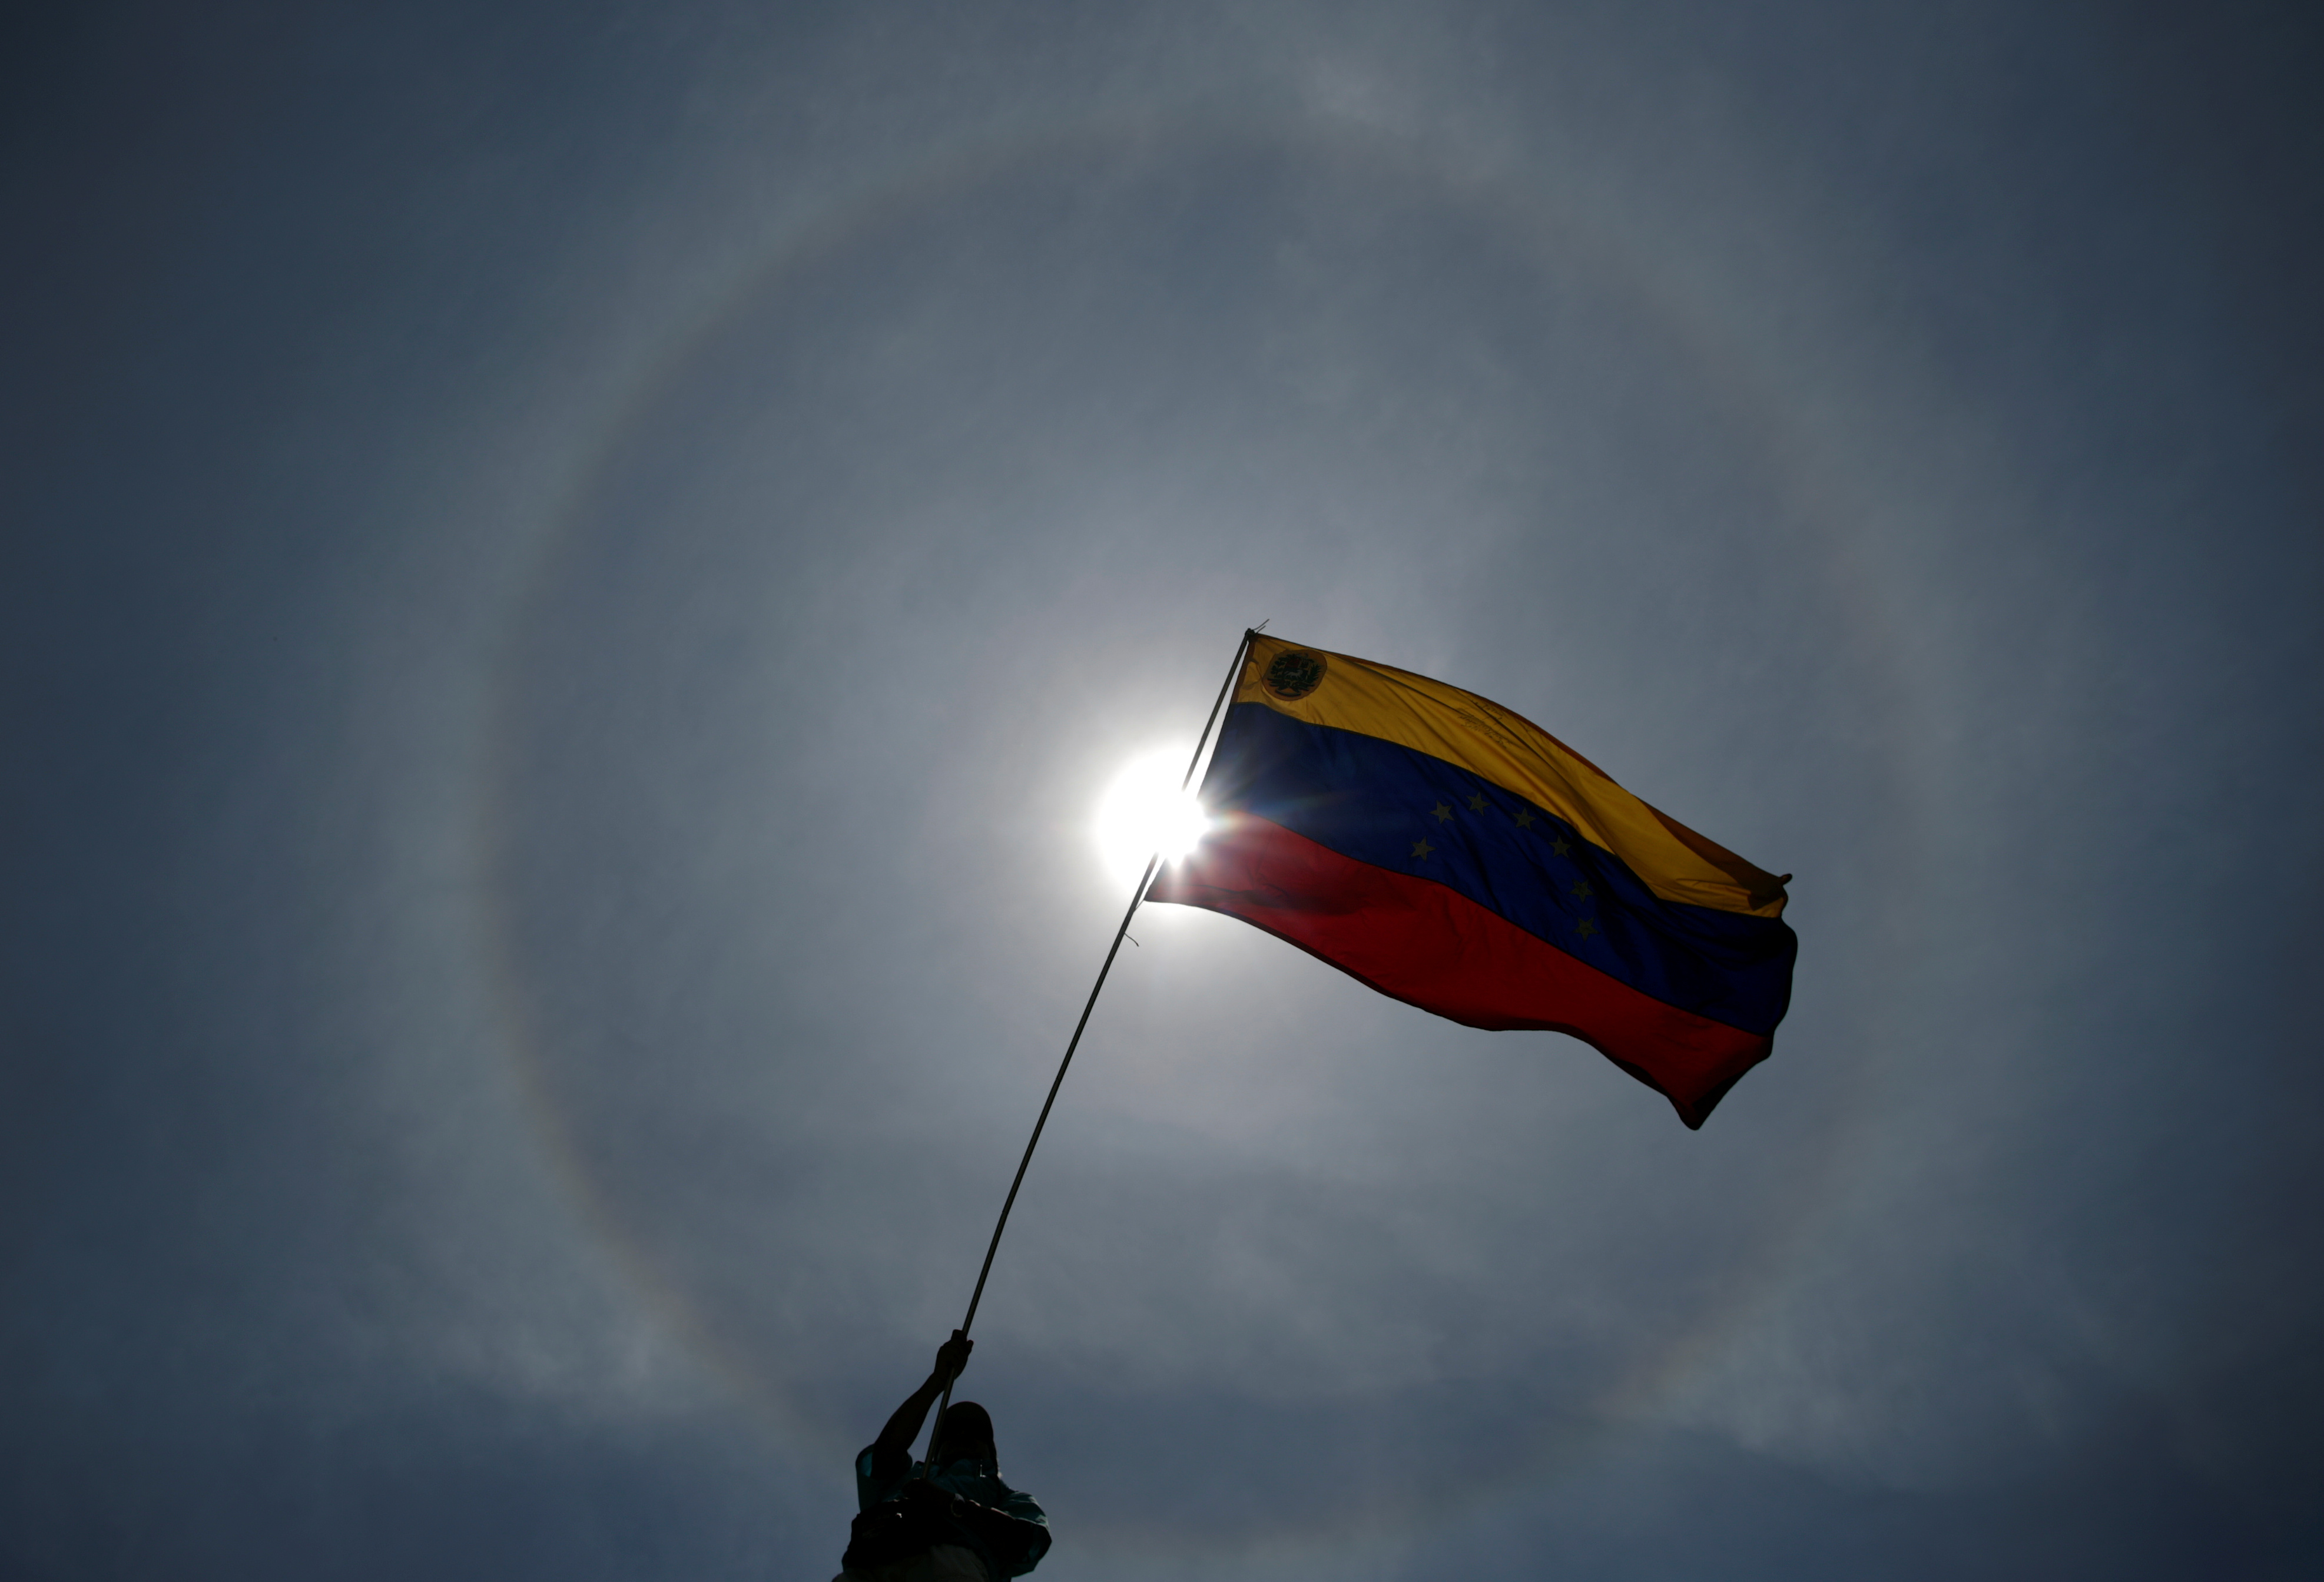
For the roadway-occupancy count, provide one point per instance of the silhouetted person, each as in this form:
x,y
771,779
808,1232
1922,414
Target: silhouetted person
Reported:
x,y
959,1524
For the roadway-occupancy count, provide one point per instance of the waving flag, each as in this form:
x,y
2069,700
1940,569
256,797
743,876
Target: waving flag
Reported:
x,y
1447,852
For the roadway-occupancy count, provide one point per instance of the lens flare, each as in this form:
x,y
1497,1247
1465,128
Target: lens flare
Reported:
x,y
1143,812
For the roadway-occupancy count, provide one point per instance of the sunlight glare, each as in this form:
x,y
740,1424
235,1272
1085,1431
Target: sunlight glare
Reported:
x,y
1143,812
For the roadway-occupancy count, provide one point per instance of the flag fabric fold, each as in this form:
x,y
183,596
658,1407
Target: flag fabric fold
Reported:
x,y
1452,854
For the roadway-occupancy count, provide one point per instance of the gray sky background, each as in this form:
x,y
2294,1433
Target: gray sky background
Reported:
x,y
574,575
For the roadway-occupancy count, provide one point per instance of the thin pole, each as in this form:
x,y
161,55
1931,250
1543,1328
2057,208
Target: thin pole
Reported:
x,y
1136,895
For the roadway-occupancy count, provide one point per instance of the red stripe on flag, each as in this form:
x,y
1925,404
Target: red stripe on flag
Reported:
x,y
1429,946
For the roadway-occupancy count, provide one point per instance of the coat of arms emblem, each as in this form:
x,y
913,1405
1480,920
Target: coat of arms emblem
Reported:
x,y
1295,673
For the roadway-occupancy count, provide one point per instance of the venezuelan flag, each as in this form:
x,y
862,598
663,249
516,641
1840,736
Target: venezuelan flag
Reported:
x,y
1446,852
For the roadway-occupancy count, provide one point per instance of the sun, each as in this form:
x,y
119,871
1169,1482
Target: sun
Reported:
x,y
1143,812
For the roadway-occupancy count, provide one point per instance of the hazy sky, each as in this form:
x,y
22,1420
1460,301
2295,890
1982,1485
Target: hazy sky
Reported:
x,y
574,575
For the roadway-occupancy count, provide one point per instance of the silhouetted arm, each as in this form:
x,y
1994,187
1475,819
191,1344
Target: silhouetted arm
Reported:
x,y
892,1452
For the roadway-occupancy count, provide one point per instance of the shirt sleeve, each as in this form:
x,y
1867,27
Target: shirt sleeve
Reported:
x,y
1021,1507
879,1477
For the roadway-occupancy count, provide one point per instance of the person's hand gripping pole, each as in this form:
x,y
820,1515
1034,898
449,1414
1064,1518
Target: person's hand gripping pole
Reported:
x,y
952,1360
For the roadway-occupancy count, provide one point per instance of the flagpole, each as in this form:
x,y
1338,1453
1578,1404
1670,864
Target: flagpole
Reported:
x,y
1136,895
